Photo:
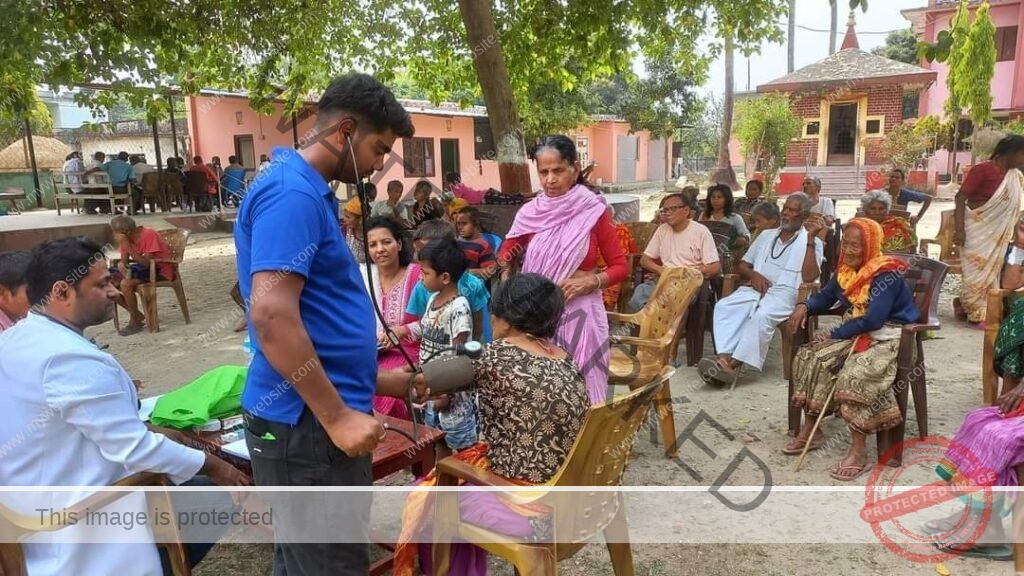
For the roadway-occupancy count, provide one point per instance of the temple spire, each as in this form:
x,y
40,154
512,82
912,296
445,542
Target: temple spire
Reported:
x,y
850,41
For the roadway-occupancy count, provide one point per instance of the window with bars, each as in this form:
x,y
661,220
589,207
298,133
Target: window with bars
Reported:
x,y
418,157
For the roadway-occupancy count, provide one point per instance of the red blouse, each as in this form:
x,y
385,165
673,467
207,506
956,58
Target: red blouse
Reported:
x,y
603,240
982,181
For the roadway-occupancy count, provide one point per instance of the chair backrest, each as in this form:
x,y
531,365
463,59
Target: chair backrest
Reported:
x,y
151,183
723,234
598,458
195,183
641,232
176,240
924,278
830,252
944,237
672,295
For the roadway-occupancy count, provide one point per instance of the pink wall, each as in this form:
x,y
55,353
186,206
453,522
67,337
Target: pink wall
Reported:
x,y
213,126
1008,82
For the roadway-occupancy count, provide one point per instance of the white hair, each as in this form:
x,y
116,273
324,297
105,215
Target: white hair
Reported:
x,y
876,196
805,202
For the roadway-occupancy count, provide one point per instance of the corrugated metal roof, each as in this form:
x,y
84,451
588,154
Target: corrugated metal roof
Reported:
x,y
852,67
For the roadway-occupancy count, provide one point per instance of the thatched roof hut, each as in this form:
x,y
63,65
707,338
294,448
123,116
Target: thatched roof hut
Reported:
x,y
50,154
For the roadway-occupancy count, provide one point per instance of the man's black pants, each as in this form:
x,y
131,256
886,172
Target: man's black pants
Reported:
x,y
303,455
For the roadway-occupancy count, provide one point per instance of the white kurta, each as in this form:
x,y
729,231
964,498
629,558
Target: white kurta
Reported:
x,y
70,418
744,321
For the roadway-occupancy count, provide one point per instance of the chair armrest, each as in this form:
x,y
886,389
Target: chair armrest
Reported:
x,y
641,342
451,468
624,318
806,290
915,328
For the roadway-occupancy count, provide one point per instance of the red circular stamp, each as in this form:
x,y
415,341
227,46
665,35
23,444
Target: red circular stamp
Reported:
x,y
884,507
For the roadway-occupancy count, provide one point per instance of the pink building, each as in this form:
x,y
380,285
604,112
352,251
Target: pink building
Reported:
x,y
1008,83
448,139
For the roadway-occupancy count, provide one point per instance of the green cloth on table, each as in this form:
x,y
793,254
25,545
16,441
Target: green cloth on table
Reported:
x,y
215,394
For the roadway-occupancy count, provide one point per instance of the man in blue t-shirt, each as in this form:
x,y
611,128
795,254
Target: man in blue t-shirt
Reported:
x,y
232,182
308,394
904,196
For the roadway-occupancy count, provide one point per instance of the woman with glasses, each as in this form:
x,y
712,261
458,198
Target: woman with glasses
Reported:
x,y
559,235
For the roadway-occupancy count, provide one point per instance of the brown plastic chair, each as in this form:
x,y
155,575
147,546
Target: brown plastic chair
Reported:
x,y
924,278
598,458
948,253
636,359
161,187
176,240
15,528
641,233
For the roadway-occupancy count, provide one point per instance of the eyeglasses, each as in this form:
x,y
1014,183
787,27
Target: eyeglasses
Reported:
x,y
670,209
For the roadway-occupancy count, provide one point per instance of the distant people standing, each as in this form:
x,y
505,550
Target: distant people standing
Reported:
x,y
264,163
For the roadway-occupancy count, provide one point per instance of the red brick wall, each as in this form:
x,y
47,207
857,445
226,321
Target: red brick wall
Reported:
x,y
808,107
882,101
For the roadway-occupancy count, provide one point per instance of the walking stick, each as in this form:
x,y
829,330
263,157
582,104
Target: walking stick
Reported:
x,y
824,409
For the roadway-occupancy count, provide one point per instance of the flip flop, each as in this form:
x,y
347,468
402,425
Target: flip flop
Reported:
x,y
712,373
797,451
1000,553
839,468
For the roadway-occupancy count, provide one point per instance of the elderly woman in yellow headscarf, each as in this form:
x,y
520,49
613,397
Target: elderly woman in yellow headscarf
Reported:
x,y
352,226
857,356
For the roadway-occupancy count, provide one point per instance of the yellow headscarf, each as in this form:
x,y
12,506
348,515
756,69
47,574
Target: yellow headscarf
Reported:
x,y
457,205
354,206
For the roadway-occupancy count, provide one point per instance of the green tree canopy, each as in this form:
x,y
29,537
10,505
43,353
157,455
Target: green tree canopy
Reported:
x,y
764,126
900,45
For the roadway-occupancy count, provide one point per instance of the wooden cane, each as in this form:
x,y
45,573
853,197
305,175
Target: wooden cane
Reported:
x,y
824,409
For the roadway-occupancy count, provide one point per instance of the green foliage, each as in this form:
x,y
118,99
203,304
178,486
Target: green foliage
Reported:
x,y
931,131
1015,126
905,143
976,68
292,48
19,100
900,45
661,102
700,139
764,126
983,141
959,30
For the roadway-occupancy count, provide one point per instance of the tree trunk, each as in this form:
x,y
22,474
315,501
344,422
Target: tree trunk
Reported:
x,y
833,28
501,103
669,139
791,43
724,174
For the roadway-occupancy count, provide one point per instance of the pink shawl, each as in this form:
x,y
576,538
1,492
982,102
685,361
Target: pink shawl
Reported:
x,y
561,230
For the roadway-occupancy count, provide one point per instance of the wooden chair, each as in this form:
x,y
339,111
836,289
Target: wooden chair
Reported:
x,y
948,253
598,458
161,188
637,359
995,313
15,528
924,278
176,240
197,191
733,281
830,251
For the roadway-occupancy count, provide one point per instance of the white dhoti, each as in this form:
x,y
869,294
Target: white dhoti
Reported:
x,y
745,322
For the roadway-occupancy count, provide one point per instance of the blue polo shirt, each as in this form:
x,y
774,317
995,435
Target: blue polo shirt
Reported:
x,y
119,171
289,224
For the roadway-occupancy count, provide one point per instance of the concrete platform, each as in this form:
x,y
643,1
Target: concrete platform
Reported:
x,y
23,231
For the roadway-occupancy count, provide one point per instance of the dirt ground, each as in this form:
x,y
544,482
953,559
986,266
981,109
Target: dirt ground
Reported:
x,y
755,413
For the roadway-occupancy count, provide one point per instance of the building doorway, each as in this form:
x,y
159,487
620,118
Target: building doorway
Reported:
x,y
449,156
245,151
842,134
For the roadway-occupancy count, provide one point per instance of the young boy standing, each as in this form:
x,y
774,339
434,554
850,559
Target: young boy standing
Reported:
x,y
14,303
446,322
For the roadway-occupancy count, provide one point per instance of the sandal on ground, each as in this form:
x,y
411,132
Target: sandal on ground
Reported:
x,y
999,552
129,330
796,446
713,374
853,472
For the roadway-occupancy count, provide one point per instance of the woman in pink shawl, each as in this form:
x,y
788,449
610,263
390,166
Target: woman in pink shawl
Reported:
x,y
563,230
393,278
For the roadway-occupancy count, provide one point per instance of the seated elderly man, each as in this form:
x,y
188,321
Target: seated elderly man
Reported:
x,y
679,241
774,266
898,232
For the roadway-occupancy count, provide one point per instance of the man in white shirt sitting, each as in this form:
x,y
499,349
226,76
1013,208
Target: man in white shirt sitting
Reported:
x,y
775,265
679,241
70,418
